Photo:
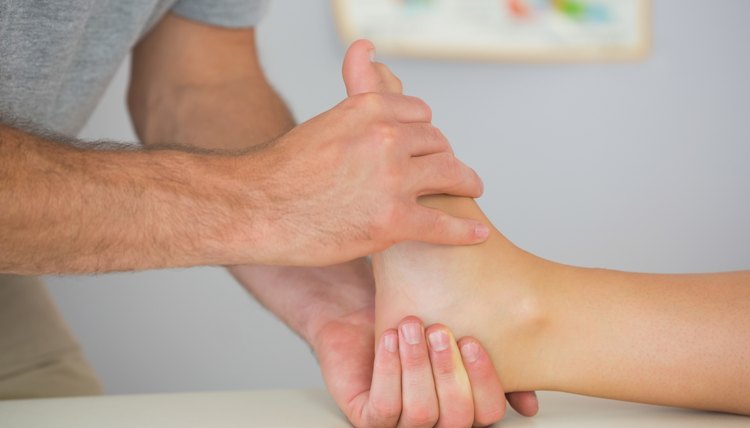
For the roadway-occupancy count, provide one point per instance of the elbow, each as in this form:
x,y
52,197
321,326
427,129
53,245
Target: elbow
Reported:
x,y
151,113
137,111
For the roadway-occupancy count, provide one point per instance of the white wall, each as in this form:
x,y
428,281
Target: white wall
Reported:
x,y
642,166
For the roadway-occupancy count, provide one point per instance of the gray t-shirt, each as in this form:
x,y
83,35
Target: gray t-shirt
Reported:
x,y
57,56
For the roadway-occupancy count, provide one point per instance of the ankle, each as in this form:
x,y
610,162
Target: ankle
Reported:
x,y
522,317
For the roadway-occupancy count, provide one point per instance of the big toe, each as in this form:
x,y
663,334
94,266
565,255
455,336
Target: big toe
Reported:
x,y
360,73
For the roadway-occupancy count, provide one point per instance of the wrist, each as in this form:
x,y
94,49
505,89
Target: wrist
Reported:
x,y
190,201
203,207
349,297
285,292
308,299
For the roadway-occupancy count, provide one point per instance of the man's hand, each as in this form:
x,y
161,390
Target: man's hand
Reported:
x,y
222,102
397,382
339,186
345,184
333,310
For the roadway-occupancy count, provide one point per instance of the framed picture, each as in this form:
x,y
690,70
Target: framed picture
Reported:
x,y
504,30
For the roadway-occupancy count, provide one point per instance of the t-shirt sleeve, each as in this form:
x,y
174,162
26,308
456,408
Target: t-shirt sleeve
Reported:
x,y
223,13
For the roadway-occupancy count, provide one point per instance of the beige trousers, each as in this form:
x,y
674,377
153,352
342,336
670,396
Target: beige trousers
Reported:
x,y
39,357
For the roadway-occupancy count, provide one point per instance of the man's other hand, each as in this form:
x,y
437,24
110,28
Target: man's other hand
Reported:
x,y
345,183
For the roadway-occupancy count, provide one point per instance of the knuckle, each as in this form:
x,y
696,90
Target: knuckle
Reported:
x,y
438,135
421,417
447,166
444,366
370,101
387,218
385,135
386,409
452,167
426,109
457,418
399,85
437,223
354,102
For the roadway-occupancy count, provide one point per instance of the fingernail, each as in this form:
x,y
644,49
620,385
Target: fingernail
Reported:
x,y
482,231
412,333
470,352
438,340
372,55
390,341
481,183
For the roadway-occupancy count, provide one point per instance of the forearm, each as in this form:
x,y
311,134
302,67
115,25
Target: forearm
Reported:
x,y
198,86
245,115
670,339
72,210
239,112
224,117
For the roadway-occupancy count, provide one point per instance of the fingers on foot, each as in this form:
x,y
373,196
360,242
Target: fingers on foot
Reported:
x,y
451,381
489,401
420,402
442,172
384,404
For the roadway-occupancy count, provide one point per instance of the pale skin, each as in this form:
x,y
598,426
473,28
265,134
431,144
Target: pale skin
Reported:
x,y
677,340
228,179
332,308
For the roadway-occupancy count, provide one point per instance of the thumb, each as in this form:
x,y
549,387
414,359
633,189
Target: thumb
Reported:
x,y
362,74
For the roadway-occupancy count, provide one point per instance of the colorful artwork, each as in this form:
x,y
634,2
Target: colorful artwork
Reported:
x,y
500,29
577,10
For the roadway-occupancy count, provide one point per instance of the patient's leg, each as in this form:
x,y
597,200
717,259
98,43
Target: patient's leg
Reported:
x,y
679,340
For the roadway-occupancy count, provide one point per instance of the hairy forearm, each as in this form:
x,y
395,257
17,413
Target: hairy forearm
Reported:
x,y
195,196
223,103
240,115
246,116
74,210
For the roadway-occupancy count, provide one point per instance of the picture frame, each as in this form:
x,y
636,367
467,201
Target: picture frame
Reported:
x,y
500,30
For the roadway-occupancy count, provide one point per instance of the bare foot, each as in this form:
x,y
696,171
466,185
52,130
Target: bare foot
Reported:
x,y
489,291
484,291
